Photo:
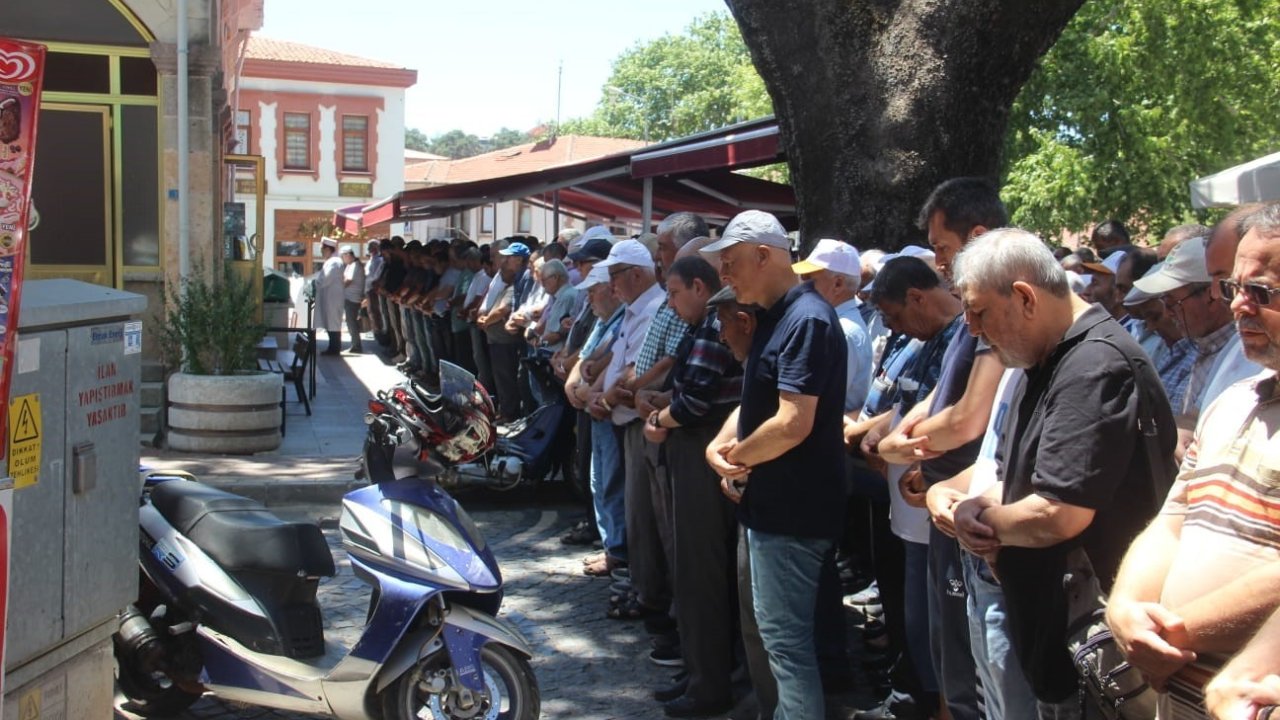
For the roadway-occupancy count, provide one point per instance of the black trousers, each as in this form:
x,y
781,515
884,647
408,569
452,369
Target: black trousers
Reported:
x,y
704,578
504,357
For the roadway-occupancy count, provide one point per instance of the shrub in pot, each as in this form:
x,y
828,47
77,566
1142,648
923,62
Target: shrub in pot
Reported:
x,y
218,400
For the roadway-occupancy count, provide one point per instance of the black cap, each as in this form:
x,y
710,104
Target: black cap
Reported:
x,y
724,296
595,249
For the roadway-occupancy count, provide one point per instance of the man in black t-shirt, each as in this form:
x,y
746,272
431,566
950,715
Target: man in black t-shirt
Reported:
x,y
781,454
1076,471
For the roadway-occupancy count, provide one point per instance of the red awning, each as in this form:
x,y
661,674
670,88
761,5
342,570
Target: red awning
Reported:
x,y
694,174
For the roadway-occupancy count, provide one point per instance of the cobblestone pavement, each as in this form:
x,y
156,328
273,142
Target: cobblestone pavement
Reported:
x,y
588,666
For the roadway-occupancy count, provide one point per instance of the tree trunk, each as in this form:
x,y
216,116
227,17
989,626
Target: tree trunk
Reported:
x,y
878,101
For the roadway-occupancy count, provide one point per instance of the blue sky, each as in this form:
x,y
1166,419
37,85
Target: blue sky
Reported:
x,y
486,64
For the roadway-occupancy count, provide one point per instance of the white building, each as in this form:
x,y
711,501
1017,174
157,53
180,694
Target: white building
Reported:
x,y
330,128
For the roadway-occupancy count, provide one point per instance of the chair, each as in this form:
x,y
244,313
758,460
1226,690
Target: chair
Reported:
x,y
297,371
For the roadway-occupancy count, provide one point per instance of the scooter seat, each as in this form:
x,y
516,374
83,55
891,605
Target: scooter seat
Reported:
x,y
241,534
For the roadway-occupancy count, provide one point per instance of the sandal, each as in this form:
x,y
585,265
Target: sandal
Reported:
x,y
593,559
602,567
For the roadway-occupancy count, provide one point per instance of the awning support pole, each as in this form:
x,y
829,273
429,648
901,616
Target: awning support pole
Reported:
x,y
646,207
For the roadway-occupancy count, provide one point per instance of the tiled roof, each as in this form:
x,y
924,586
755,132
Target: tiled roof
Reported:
x,y
515,160
260,48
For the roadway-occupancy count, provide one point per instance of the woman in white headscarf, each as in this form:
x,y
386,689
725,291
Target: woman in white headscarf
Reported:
x,y
329,295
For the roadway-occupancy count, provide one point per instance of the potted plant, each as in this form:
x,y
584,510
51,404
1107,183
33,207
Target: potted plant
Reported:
x,y
218,400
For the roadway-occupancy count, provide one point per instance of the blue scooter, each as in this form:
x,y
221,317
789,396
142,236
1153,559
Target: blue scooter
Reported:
x,y
228,605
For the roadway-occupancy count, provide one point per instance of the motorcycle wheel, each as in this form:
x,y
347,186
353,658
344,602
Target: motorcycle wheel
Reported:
x,y
512,689
149,694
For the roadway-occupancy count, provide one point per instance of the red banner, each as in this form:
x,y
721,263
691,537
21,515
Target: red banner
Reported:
x,y
21,71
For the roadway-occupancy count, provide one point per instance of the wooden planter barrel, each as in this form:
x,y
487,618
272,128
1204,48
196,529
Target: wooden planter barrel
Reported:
x,y
224,413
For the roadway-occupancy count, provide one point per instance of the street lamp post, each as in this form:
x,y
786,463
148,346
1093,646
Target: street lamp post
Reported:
x,y
640,106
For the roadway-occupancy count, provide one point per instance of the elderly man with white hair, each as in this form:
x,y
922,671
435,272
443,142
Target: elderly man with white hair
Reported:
x,y
835,270
1078,471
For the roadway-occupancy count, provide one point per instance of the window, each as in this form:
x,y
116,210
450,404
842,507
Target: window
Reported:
x,y
524,218
297,141
244,133
486,219
355,143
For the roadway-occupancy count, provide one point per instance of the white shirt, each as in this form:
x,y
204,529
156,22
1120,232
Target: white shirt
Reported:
x,y
491,294
479,286
635,323
1230,368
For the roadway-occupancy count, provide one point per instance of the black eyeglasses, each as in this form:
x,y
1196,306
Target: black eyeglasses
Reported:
x,y
615,272
1177,304
1256,294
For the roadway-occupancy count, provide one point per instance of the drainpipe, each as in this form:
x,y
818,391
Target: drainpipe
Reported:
x,y
184,143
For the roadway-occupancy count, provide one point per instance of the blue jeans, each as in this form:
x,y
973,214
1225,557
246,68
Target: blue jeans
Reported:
x,y
607,488
916,612
784,584
1008,694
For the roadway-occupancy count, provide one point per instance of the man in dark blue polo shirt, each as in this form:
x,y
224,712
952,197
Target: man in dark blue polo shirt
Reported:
x,y
782,453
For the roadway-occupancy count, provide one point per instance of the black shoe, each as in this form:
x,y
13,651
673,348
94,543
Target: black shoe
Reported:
x,y
686,707
332,351
584,533
666,656
672,691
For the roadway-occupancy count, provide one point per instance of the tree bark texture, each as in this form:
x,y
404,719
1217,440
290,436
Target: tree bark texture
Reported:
x,y
878,101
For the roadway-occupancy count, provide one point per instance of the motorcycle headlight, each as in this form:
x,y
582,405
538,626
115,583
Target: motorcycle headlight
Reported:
x,y
429,525
472,530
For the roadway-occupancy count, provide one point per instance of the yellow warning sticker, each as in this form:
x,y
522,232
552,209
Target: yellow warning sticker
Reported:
x,y
24,440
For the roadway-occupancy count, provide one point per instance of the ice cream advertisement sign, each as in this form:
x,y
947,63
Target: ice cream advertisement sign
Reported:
x,y
21,72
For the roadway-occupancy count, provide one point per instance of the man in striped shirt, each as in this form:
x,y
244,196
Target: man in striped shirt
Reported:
x,y
1204,575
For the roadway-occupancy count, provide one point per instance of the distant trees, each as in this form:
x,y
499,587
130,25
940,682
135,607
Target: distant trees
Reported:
x,y
458,144
678,85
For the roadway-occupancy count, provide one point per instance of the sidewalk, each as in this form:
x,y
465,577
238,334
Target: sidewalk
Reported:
x,y
317,461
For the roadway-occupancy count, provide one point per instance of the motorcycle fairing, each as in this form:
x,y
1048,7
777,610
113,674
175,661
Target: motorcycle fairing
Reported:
x,y
381,525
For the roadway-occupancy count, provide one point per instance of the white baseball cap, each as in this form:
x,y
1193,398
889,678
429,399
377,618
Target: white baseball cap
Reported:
x,y
751,226
599,274
1137,296
833,255
627,252
1184,266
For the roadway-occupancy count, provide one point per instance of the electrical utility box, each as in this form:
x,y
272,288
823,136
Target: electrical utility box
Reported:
x,y
73,455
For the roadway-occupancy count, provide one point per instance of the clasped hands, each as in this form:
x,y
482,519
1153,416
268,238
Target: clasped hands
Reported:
x,y
733,476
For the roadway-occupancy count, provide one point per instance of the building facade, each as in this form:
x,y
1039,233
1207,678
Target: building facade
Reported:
x,y
330,129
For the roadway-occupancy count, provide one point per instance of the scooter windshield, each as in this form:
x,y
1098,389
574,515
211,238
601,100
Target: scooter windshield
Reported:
x,y
456,384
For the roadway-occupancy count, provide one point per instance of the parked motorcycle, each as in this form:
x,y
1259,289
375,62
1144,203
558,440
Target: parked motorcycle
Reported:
x,y
228,597
530,450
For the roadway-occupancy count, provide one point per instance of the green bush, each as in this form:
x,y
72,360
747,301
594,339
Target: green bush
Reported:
x,y
209,328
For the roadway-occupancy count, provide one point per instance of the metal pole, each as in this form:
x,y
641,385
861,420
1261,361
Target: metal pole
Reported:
x,y
555,211
184,144
646,206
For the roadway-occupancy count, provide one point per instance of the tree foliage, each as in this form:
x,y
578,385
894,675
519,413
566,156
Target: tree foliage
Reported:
x,y
458,144
1136,99
678,85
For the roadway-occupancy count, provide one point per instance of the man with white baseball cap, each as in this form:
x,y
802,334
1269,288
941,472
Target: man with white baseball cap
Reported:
x,y
835,270
1102,286
1182,284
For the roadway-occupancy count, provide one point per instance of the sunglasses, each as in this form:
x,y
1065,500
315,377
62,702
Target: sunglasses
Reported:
x,y
1255,293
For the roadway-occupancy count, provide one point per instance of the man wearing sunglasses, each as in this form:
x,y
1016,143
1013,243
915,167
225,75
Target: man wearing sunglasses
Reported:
x,y
1203,577
1182,283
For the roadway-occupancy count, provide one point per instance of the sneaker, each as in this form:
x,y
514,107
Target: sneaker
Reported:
x,y
870,595
666,656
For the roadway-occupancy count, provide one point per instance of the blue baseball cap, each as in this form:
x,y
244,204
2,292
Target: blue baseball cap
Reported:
x,y
515,248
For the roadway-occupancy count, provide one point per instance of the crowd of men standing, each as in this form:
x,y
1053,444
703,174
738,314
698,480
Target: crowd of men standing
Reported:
x,y
967,423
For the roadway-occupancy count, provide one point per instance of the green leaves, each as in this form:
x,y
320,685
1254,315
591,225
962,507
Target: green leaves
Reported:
x,y
208,328
1136,99
678,85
